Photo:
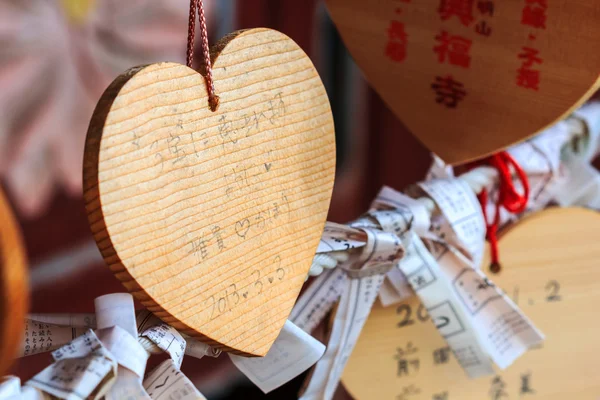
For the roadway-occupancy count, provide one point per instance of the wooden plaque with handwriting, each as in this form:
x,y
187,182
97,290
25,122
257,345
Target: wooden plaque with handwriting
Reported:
x,y
14,293
550,269
469,77
211,219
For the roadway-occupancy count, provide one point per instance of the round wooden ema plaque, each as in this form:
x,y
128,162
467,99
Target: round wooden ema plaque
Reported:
x,y
14,291
212,219
469,77
550,269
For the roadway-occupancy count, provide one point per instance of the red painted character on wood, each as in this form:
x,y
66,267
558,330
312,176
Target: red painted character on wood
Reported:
x,y
453,48
395,49
534,14
462,9
527,77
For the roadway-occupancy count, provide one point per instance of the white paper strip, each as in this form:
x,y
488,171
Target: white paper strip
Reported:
x,y
316,301
462,224
167,382
437,295
168,340
117,311
83,369
581,188
505,331
353,310
9,386
293,352
590,114
87,321
40,337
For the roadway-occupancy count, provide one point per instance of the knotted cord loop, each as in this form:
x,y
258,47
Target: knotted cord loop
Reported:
x,y
508,198
196,5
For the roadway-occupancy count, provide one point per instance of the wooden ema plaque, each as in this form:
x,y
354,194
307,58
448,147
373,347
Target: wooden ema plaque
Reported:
x,y
470,77
14,292
550,269
212,219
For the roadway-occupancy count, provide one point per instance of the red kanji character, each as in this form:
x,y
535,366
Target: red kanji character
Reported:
x,y
486,7
483,28
396,51
530,57
463,9
528,78
448,91
534,16
455,48
396,47
396,31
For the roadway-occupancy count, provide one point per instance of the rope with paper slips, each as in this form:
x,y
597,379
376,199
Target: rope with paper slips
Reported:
x,y
107,358
476,180
507,197
150,346
541,157
479,179
144,335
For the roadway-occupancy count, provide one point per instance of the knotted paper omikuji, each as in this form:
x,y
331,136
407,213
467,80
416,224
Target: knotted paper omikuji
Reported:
x,y
456,240
427,242
489,327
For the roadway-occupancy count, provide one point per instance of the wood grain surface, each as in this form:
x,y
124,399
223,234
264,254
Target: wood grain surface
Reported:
x,y
471,77
211,219
550,269
14,291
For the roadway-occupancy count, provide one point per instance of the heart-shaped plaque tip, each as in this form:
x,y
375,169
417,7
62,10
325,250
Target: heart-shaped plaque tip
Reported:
x,y
212,219
470,77
550,270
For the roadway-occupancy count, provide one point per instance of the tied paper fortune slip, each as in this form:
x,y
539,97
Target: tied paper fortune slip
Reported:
x,y
211,219
550,271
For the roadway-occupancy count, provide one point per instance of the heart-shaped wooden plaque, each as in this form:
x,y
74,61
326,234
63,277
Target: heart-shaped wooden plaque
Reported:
x,y
211,219
550,269
14,293
469,77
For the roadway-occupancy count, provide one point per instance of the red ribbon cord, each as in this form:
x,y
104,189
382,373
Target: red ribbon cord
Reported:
x,y
508,198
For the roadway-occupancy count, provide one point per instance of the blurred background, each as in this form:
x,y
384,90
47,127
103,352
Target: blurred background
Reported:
x,y
56,58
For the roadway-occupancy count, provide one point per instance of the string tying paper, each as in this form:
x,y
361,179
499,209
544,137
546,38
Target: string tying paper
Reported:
x,y
453,261
432,265
508,197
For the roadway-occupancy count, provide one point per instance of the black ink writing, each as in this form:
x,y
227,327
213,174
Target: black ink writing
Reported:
x,y
553,287
212,314
498,389
441,355
277,108
229,298
199,248
406,362
405,311
408,392
175,148
440,396
279,272
200,245
242,227
526,384
216,231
